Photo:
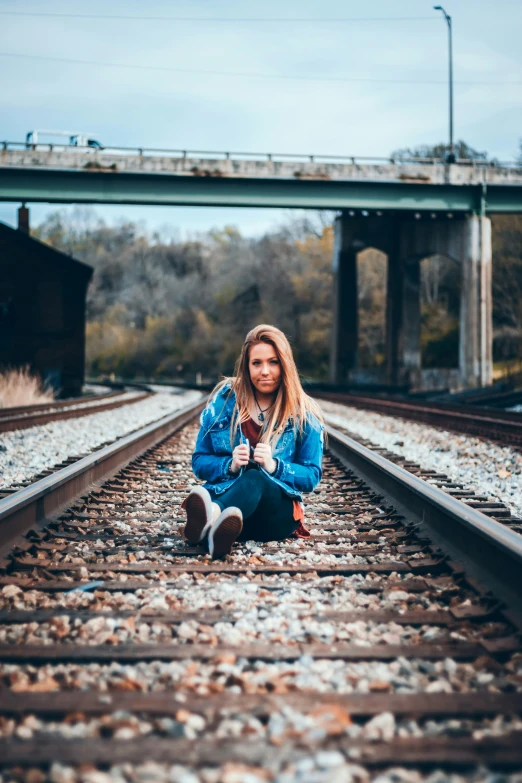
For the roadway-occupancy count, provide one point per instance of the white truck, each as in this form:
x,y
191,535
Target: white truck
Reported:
x,y
34,137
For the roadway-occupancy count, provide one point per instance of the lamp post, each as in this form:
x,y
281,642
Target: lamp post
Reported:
x,y
447,17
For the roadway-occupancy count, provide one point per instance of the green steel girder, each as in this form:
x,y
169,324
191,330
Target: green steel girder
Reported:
x,y
95,187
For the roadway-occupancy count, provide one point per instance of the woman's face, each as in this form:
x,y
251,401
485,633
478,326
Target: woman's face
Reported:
x,y
264,368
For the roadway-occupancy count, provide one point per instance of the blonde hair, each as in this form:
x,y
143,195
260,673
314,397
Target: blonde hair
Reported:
x,y
291,400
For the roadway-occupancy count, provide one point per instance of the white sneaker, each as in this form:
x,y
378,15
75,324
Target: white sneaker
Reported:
x,y
198,506
224,532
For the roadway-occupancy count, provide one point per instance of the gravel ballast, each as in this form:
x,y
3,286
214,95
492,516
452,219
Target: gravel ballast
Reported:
x,y
482,466
25,453
227,681
314,767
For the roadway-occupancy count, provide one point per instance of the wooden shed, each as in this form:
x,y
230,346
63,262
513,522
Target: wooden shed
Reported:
x,y
42,309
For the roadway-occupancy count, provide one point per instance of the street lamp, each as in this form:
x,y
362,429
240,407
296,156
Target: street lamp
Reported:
x,y
447,17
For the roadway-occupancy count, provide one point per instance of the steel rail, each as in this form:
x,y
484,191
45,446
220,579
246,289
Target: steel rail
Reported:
x,y
504,426
35,418
488,551
35,505
43,406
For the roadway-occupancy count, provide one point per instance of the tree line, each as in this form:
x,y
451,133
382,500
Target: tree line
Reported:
x,y
161,307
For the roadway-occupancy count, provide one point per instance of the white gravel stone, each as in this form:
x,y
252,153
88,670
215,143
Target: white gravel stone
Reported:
x,y
382,727
480,465
25,453
326,759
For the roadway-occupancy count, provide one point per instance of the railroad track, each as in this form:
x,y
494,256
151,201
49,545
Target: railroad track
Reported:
x,y
31,415
391,638
495,509
504,427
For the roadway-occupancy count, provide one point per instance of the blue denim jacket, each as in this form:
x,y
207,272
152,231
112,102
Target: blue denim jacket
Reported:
x,y
299,457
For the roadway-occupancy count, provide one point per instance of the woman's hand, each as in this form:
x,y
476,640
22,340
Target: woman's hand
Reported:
x,y
240,457
263,456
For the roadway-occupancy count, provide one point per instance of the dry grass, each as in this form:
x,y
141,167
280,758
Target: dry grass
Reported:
x,y
21,387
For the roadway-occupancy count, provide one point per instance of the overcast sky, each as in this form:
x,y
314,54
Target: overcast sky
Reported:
x,y
344,86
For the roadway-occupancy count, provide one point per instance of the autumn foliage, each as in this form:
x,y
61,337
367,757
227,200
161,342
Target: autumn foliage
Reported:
x,y
166,308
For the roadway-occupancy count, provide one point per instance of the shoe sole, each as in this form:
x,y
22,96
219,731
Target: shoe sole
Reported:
x,y
224,533
198,518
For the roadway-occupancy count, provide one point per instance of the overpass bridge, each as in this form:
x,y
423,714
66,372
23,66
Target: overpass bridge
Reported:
x,y
409,209
161,177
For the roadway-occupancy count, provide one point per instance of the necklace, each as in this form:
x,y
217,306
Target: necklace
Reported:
x,y
262,411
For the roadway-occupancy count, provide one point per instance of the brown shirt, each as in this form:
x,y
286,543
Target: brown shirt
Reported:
x,y
252,431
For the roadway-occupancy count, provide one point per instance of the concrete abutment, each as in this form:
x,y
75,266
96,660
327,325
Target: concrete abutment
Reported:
x,y
406,239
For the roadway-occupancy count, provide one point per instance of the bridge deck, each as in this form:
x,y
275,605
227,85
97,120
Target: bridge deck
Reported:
x,y
88,176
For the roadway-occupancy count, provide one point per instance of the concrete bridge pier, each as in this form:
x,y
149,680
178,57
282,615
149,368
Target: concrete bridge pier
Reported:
x,y
403,319
476,305
355,232
467,241
407,239
345,333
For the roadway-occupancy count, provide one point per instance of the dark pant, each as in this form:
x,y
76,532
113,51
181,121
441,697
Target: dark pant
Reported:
x,y
268,513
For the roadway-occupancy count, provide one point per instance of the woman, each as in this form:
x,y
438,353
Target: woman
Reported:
x,y
259,446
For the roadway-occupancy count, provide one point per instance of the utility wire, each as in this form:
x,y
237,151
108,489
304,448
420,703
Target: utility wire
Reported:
x,y
221,18
201,71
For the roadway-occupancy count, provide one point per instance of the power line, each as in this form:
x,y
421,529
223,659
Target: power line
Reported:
x,y
246,74
221,18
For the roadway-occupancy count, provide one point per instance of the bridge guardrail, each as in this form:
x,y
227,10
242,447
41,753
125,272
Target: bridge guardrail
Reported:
x,y
261,156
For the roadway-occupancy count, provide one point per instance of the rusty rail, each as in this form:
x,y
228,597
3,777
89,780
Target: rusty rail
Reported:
x,y
43,406
18,419
490,551
502,426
